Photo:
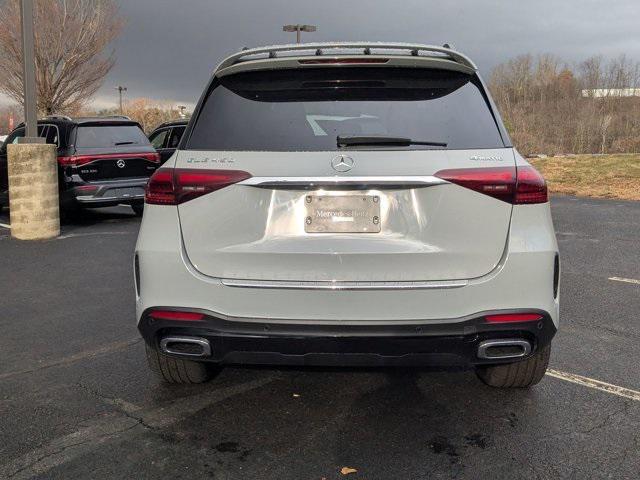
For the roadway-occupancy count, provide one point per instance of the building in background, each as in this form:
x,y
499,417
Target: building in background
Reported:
x,y
611,92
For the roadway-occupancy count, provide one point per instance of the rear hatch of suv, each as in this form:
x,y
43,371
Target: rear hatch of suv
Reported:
x,y
108,150
321,183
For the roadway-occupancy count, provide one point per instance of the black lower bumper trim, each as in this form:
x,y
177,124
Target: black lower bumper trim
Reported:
x,y
438,343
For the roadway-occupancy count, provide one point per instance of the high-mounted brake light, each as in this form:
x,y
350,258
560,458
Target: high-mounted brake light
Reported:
x,y
521,185
172,186
176,315
513,317
351,61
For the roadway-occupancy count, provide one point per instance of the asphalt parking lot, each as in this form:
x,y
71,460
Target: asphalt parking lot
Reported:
x,y
77,400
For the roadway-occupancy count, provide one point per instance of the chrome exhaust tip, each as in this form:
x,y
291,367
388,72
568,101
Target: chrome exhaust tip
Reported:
x,y
186,346
504,348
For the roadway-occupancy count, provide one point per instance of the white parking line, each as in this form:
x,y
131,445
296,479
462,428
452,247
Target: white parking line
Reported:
x,y
595,384
102,350
626,280
5,225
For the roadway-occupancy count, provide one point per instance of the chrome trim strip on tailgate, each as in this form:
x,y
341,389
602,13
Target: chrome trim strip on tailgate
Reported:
x,y
324,285
352,181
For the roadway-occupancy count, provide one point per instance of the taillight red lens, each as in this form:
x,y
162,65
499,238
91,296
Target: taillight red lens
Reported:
x,y
521,185
531,187
497,182
175,315
64,161
513,317
79,160
178,185
160,189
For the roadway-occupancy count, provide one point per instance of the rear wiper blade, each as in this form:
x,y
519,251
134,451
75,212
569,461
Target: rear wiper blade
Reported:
x,y
352,140
124,143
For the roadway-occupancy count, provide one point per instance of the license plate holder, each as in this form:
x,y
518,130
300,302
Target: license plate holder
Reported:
x,y
342,214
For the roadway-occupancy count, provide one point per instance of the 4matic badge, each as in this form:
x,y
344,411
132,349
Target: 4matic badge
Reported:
x,y
481,158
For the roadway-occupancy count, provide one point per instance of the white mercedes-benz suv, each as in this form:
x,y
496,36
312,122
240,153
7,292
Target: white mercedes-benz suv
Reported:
x,y
347,204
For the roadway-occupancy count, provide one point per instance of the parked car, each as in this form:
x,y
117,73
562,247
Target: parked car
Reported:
x,y
347,204
102,161
166,137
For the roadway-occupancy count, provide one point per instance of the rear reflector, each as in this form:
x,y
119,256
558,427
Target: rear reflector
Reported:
x,y
78,160
173,186
86,188
513,317
521,185
175,315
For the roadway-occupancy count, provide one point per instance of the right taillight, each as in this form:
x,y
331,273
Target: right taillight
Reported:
x,y
531,187
521,185
173,186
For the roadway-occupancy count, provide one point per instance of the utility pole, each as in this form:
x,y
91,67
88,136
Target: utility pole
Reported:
x,y
299,28
32,167
121,89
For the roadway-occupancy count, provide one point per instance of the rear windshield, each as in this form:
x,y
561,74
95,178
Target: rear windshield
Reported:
x,y
105,136
306,109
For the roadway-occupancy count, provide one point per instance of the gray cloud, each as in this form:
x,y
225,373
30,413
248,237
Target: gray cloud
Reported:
x,y
169,48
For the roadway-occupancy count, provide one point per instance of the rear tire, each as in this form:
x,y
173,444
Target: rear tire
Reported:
x,y
177,370
523,374
138,209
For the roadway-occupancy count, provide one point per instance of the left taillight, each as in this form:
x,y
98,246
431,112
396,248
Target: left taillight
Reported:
x,y
516,185
173,186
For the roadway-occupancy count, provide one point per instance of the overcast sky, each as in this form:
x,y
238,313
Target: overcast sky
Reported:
x,y
169,47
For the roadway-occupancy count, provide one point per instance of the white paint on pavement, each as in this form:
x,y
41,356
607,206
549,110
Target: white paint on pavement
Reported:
x,y
625,280
75,357
92,234
595,384
5,225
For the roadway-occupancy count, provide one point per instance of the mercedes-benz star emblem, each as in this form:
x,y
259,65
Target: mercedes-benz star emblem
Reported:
x,y
120,163
342,163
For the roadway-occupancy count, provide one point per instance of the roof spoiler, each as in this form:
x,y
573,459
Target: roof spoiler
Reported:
x,y
362,48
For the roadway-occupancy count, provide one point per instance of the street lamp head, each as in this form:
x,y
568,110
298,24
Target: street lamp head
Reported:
x,y
298,27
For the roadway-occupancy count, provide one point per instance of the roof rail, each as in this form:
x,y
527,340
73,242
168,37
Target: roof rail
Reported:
x,y
366,47
55,116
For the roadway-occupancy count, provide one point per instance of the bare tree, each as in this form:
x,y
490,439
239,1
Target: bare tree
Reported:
x,y
551,107
149,113
71,40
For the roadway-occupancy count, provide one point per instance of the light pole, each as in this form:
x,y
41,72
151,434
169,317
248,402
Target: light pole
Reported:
x,y
299,28
29,75
121,89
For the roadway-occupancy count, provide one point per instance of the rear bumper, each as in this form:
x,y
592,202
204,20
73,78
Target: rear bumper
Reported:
x,y
449,342
109,193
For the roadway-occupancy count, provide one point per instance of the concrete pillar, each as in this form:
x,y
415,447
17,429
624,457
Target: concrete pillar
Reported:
x,y
33,191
